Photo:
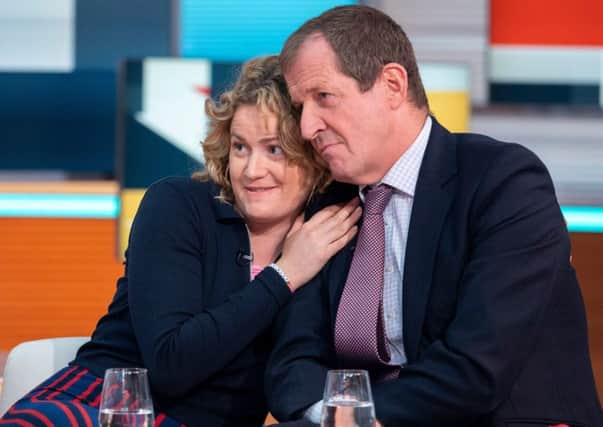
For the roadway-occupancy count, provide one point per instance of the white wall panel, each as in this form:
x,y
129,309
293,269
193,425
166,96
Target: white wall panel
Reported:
x,y
37,35
447,31
545,64
570,144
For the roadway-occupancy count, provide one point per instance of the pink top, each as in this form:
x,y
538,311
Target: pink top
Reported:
x,y
255,269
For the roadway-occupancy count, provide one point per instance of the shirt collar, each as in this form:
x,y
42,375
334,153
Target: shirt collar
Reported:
x,y
404,174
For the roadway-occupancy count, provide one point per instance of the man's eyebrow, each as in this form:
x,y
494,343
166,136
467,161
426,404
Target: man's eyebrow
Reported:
x,y
307,91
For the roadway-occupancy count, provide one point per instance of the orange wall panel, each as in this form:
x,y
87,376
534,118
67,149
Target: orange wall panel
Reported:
x,y
587,249
57,276
547,22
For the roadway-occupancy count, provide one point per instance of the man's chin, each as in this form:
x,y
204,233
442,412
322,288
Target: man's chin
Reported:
x,y
342,176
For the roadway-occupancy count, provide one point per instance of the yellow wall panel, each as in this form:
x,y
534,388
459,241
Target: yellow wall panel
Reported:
x,y
452,109
130,199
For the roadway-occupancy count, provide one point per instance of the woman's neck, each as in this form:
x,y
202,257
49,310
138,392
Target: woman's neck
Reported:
x,y
267,240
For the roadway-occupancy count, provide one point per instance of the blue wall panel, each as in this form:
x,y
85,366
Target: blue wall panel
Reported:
x,y
235,30
109,31
58,122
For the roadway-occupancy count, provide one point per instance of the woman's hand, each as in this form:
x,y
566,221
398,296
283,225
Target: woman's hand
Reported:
x,y
309,245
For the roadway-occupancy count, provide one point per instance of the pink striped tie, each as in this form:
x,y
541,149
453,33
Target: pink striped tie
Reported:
x,y
359,329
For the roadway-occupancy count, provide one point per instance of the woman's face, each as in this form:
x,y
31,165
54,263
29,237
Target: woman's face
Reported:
x,y
268,190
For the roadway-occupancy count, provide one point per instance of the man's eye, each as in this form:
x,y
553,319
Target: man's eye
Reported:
x,y
325,98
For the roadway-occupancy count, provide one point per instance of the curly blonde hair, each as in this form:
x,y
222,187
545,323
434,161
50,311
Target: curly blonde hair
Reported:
x,y
260,83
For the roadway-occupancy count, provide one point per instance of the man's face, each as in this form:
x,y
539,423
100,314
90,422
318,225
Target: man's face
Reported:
x,y
347,127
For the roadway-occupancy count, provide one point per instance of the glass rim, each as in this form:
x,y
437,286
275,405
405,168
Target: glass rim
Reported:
x,y
127,370
348,371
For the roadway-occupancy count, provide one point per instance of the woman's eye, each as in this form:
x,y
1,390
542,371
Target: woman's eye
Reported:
x,y
276,150
237,146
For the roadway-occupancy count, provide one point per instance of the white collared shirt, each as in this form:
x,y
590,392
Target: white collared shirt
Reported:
x,y
402,177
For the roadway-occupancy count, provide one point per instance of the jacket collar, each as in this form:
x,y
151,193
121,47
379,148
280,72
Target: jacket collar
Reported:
x,y
223,211
435,191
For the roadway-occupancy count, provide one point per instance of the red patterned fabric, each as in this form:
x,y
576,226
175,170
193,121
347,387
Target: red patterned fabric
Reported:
x,y
68,398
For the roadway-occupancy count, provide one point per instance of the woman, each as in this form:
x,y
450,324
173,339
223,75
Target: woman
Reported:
x,y
210,262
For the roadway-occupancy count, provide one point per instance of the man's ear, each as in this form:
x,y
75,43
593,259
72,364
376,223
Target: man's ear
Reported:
x,y
395,80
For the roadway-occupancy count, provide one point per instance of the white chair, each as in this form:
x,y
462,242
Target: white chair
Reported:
x,y
31,362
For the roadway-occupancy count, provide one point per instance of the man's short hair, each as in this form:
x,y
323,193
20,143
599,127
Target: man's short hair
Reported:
x,y
364,39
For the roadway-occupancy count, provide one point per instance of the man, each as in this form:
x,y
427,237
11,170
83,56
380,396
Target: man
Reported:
x,y
478,319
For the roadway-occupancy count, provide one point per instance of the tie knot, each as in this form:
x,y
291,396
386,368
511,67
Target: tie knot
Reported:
x,y
376,199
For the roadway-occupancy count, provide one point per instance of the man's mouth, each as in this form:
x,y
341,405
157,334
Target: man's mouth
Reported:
x,y
322,143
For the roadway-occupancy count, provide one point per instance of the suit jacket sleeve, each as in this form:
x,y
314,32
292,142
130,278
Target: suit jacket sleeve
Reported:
x,y
301,356
519,251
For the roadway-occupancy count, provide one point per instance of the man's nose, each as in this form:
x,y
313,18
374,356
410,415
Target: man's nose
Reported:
x,y
311,123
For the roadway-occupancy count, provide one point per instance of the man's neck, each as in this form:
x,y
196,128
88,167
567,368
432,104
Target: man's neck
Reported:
x,y
404,132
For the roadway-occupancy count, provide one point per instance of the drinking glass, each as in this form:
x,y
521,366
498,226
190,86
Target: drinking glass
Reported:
x,y
348,401
125,399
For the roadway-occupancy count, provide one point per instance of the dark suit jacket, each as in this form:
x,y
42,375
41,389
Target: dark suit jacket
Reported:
x,y
494,323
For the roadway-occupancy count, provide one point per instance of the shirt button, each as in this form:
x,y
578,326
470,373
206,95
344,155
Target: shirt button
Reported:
x,y
388,269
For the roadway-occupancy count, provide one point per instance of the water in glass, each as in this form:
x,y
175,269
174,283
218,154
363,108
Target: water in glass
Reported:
x,y
125,399
117,418
348,400
348,413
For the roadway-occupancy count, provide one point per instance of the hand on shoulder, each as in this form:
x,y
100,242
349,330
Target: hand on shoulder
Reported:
x,y
309,245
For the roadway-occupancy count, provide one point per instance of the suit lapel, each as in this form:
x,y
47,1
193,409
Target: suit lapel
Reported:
x,y
434,194
337,275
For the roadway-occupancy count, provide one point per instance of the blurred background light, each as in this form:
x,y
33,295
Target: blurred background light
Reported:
x,y
59,205
585,219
